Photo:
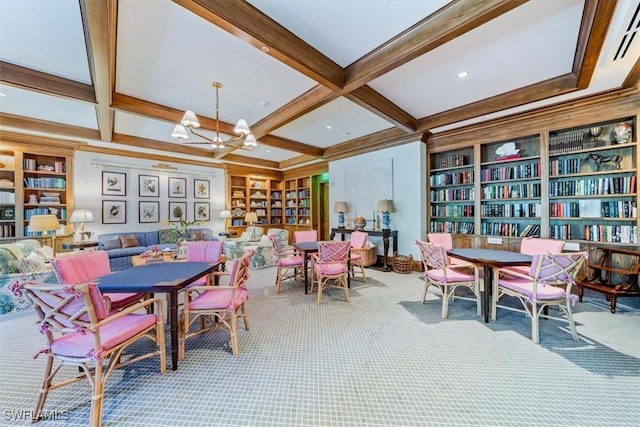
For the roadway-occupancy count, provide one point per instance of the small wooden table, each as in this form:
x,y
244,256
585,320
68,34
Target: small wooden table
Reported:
x,y
79,245
386,235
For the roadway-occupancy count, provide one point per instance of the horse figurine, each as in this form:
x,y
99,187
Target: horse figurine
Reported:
x,y
615,159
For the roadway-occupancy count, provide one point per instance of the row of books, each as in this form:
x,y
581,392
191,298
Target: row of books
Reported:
x,y
594,186
500,229
451,160
451,178
516,210
28,213
451,195
512,191
531,230
32,166
60,232
529,170
608,209
611,233
567,142
451,227
7,197
7,230
452,210
47,182
565,166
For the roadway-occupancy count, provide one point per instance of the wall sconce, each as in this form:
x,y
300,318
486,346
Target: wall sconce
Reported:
x,y
340,208
386,206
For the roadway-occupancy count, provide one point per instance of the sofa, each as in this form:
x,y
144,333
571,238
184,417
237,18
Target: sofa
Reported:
x,y
22,261
121,246
264,255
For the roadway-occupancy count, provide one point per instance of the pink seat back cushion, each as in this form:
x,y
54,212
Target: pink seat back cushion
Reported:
x,y
81,268
358,239
442,239
204,251
534,246
305,236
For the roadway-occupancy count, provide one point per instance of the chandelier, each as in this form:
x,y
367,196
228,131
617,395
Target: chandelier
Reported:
x,y
190,120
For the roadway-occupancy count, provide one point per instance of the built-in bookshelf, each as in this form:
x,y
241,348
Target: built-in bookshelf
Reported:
x,y
260,194
7,195
298,201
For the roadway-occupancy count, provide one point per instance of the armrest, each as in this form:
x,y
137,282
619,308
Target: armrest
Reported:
x,y
133,308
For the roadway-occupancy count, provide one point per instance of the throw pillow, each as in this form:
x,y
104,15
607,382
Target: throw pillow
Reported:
x,y
31,263
130,241
113,243
265,241
46,252
196,236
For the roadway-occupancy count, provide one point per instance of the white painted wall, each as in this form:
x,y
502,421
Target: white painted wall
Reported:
x,y
409,192
87,175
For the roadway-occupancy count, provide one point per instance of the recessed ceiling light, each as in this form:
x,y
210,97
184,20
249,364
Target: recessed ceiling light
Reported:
x,y
268,151
329,127
463,74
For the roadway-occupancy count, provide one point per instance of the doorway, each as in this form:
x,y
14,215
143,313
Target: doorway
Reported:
x,y
324,232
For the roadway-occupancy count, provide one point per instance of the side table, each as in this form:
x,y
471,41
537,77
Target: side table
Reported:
x,y
81,246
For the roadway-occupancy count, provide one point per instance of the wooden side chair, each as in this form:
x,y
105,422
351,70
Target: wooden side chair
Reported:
x,y
440,273
289,263
548,283
218,306
359,240
80,332
534,246
445,240
331,267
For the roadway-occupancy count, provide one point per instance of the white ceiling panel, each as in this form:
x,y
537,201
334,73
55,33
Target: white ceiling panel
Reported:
x,y
46,107
356,26
46,36
338,121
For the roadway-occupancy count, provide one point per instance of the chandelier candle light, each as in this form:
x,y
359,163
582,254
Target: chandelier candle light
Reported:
x,y
190,120
386,206
340,208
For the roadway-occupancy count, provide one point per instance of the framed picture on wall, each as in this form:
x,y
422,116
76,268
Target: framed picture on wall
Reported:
x,y
178,187
201,211
201,188
148,212
114,183
114,212
148,186
177,211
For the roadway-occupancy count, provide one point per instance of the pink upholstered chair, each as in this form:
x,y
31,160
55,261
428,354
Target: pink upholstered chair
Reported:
x,y
289,262
204,251
81,333
84,267
548,283
330,267
534,246
440,273
218,306
445,240
358,241
305,236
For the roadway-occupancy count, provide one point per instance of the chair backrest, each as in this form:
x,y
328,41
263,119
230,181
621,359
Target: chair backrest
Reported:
x,y
359,239
434,257
65,308
442,239
558,268
204,251
239,272
535,245
82,267
305,236
276,245
333,251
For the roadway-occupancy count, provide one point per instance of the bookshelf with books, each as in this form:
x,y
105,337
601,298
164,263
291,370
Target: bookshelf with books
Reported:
x,y
511,188
276,202
7,195
451,191
593,192
259,193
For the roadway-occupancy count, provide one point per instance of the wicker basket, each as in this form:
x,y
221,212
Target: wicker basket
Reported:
x,y
370,256
402,264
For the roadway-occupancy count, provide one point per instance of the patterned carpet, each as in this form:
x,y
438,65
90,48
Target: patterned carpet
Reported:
x,y
383,359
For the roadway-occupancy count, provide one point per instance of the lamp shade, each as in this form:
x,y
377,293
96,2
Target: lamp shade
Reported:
x,y
251,217
386,205
43,223
225,214
242,127
82,216
340,207
190,119
179,132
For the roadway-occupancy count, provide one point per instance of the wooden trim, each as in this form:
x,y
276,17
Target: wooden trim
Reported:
x,y
371,100
633,78
235,158
152,144
252,172
304,171
40,144
45,126
149,156
298,160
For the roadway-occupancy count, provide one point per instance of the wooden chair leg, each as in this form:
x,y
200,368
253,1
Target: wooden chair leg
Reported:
x,y
245,318
46,385
234,334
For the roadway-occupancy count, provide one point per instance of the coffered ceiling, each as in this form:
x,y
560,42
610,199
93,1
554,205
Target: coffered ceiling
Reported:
x,y
316,79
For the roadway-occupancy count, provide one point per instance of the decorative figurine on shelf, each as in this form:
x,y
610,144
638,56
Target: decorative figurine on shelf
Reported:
x,y
507,151
622,133
33,199
359,223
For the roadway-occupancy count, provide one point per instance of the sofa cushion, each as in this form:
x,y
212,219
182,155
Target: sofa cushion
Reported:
x,y
113,243
31,263
126,252
130,241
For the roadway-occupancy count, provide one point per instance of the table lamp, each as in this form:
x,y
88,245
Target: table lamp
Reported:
x,y
340,208
225,215
385,206
251,218
45,224
81,216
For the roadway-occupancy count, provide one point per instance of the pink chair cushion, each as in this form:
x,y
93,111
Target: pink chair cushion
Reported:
x,y
330,269
218,299
119,300
290,261
305,236
356,257
534,246
525,287
520,269
202,251
441,239
81,268
452,276
359,239
78,344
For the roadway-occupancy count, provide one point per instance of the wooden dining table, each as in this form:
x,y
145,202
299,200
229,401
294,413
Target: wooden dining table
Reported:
x,y
490,259
308,248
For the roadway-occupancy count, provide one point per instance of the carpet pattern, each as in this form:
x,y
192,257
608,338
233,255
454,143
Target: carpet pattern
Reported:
x,y
384,359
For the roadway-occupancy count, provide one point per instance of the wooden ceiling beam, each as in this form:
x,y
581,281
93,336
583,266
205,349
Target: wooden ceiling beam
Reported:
x,y
287,144
633,78
98,35
371,100
45,126
250,161
153,144
247,23
34,80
